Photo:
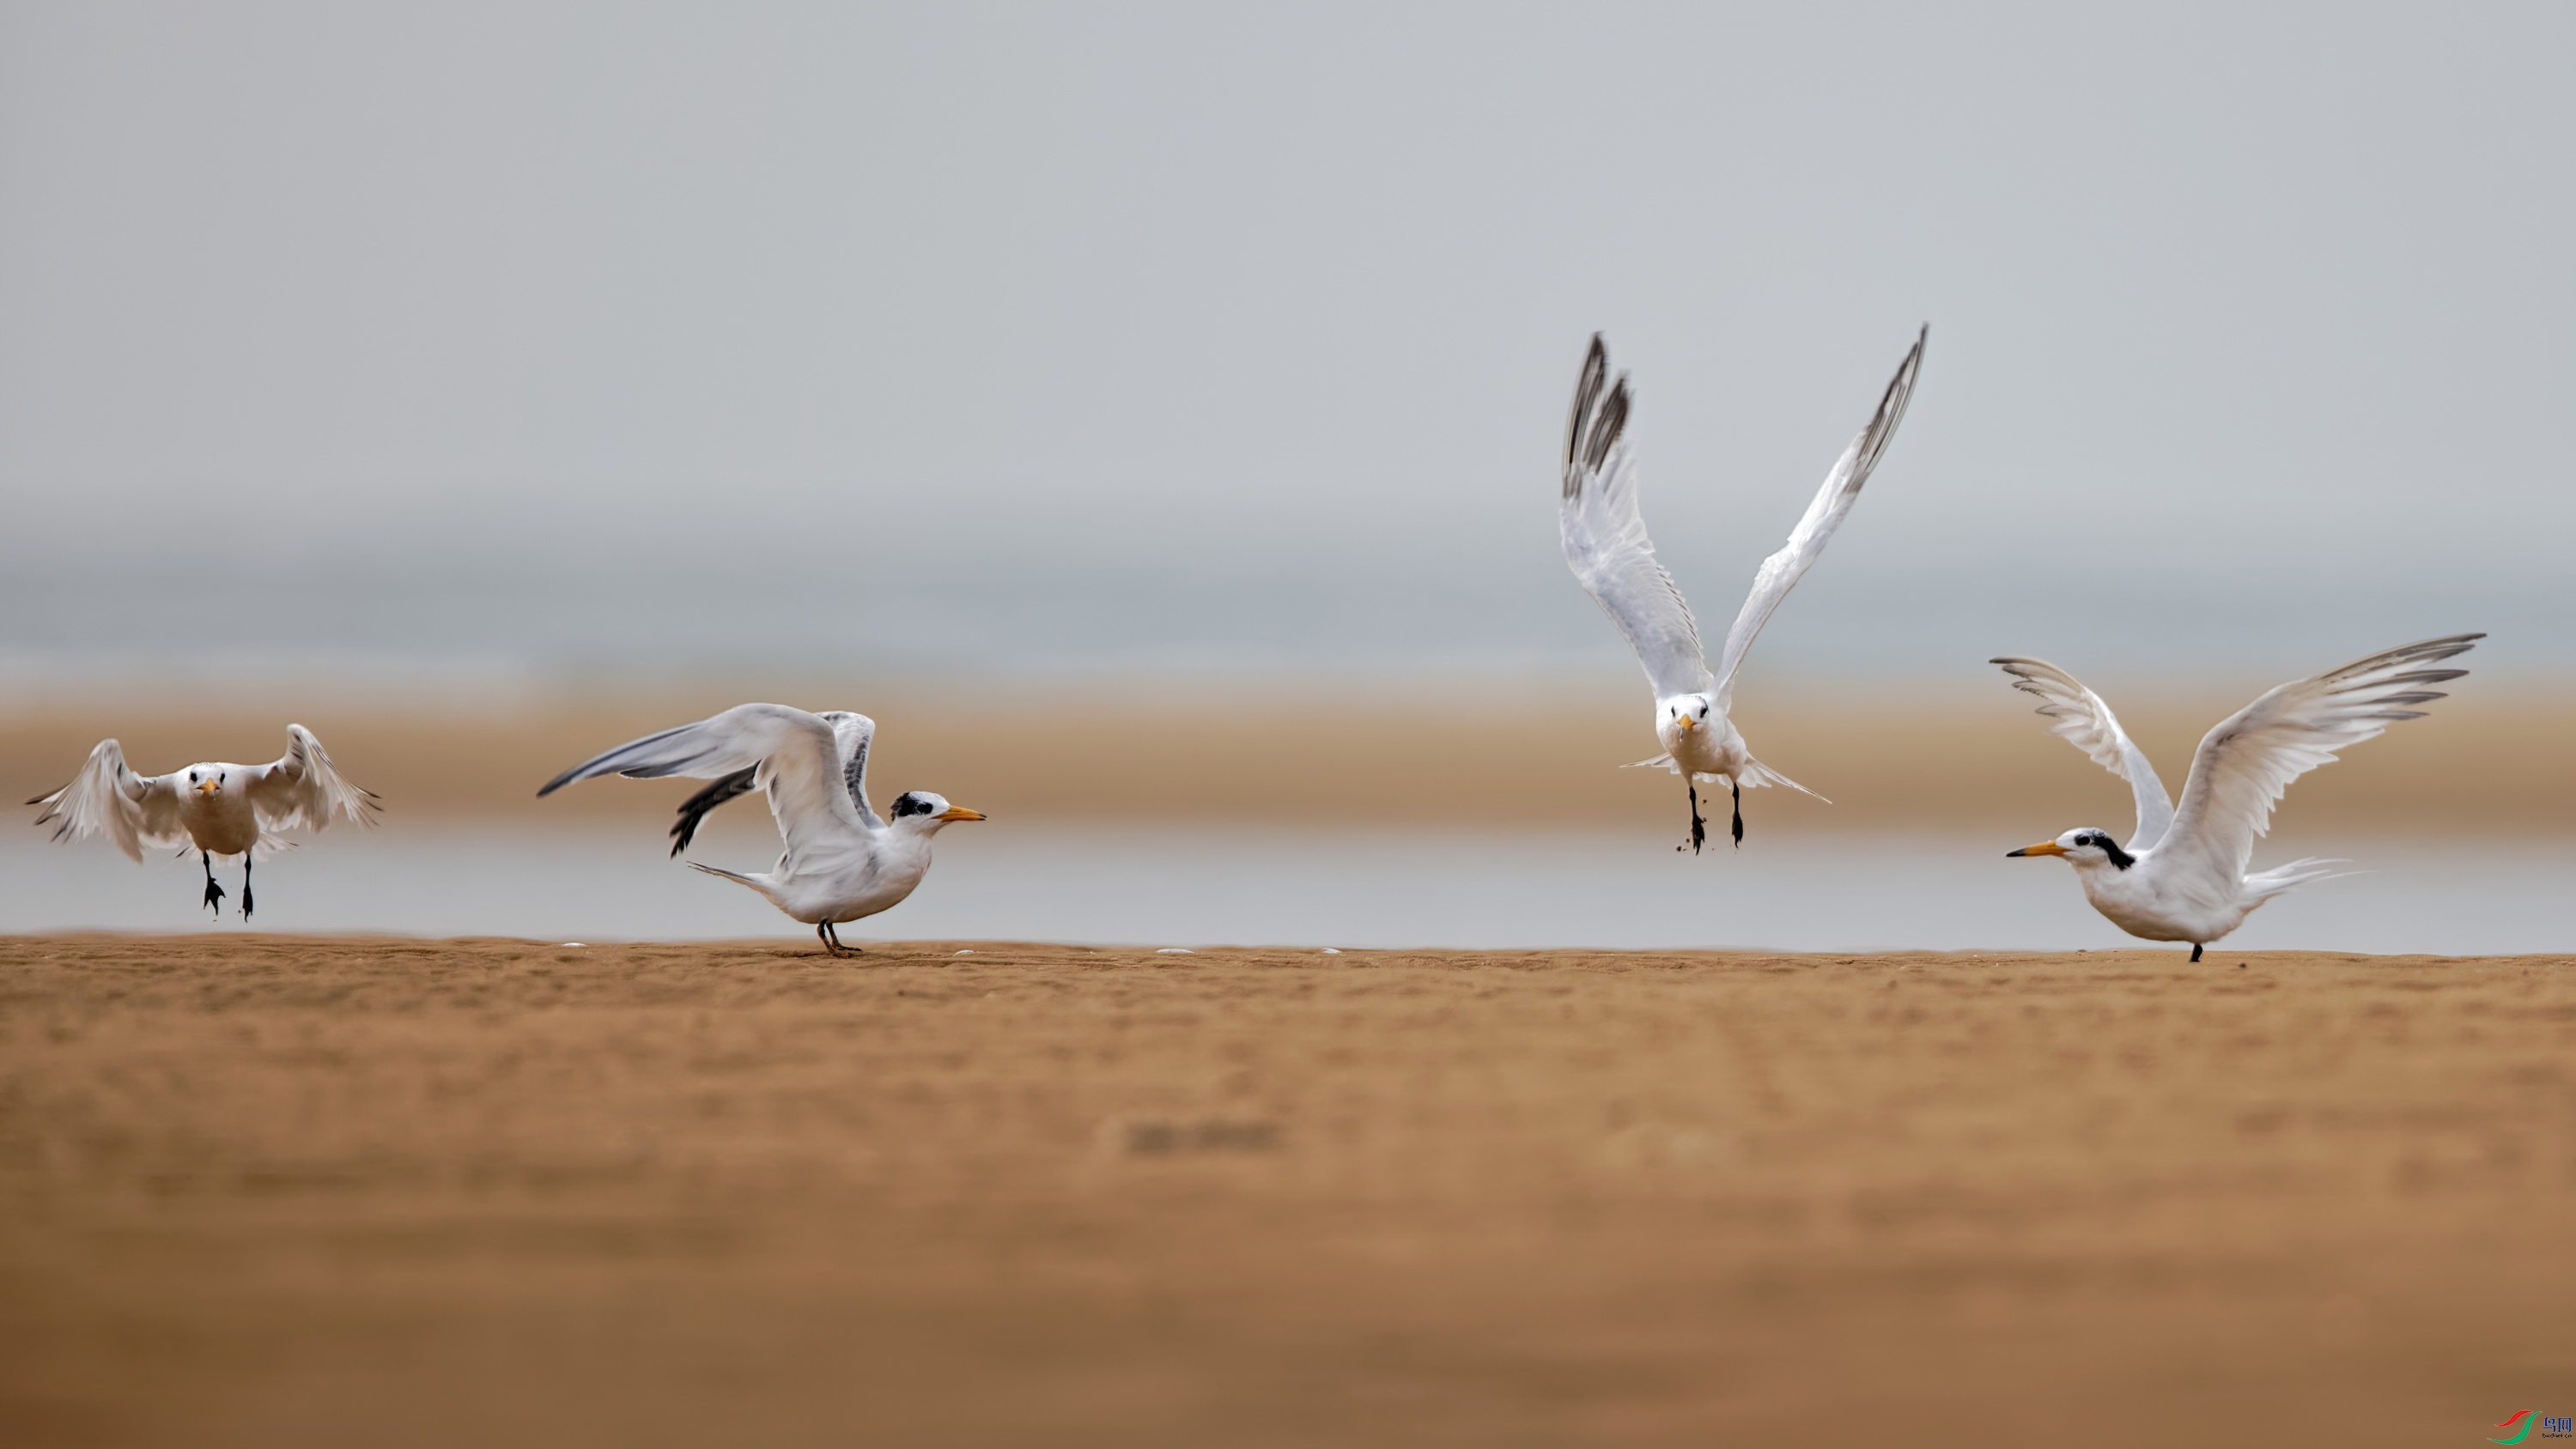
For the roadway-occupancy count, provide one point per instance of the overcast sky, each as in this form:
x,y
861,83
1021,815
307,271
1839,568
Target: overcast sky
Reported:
x,y
1084,335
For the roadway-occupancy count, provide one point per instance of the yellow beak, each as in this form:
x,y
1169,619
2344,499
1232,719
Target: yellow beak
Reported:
x,y
208,787
2045,847
960,812
1689,724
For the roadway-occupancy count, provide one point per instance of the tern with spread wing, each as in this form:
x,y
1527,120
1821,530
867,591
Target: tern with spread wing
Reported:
x,y
1606,546
2182,875
216,807
842,861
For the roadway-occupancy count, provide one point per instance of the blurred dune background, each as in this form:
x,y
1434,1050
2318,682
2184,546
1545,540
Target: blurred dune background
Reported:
x,y
1510,753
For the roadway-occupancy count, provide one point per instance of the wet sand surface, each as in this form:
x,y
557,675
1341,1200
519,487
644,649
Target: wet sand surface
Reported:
x,y
267,1190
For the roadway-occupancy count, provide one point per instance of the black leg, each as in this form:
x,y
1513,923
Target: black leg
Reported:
x,y
2195,952
1739,816
823,933
1699,827
245,887
214,892
835,928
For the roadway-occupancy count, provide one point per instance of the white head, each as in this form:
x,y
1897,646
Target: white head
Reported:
x,y
2085,848
920,810
208,780
1681,716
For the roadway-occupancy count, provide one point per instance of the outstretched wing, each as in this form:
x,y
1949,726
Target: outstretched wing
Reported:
x,y
851,735
1605,536
793,755
2244,764
2081,718
107,798
304,789
1781,571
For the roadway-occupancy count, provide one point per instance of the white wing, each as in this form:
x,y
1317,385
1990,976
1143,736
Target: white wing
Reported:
x,y
107,798
1781,571
795,756
2244,764
2082,719
1605,537
304,789
851,735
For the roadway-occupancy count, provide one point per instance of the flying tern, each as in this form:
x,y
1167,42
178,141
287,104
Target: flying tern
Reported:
x,y
1606,546
2182,875
215,806
842,861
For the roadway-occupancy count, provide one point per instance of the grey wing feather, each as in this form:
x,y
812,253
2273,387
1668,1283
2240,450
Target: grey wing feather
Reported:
x,y
1605,539
1781,571
303,788
851,735
2079,716
2243,766
795,755
695,809
108,798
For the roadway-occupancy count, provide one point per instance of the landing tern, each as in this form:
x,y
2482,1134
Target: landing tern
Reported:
x,y
1606,546
215,806
2182,875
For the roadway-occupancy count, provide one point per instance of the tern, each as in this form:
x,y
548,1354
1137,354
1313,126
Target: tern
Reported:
x,y
217,807
842,861
2182,875
1606,546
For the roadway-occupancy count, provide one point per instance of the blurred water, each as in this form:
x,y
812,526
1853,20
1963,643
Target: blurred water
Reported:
x,y
1199,885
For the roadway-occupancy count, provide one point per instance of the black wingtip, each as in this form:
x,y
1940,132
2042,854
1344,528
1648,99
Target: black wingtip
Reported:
x,y
1587,391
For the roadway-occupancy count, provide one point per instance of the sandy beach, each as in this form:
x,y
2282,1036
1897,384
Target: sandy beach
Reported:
x,y
270,1190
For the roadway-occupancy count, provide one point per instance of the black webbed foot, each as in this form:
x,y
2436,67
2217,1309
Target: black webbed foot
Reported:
x,y
245,887
1739,815
1699,827
214,892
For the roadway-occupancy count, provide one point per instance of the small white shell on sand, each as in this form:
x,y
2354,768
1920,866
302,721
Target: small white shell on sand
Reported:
x,y
1174,951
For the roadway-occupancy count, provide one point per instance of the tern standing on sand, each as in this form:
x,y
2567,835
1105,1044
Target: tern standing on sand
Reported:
x,y
842,862
218,807
2182,875
1606,546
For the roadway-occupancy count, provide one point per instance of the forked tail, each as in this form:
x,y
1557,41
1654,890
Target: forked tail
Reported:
x,y
1759,773
752,881
2261,888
